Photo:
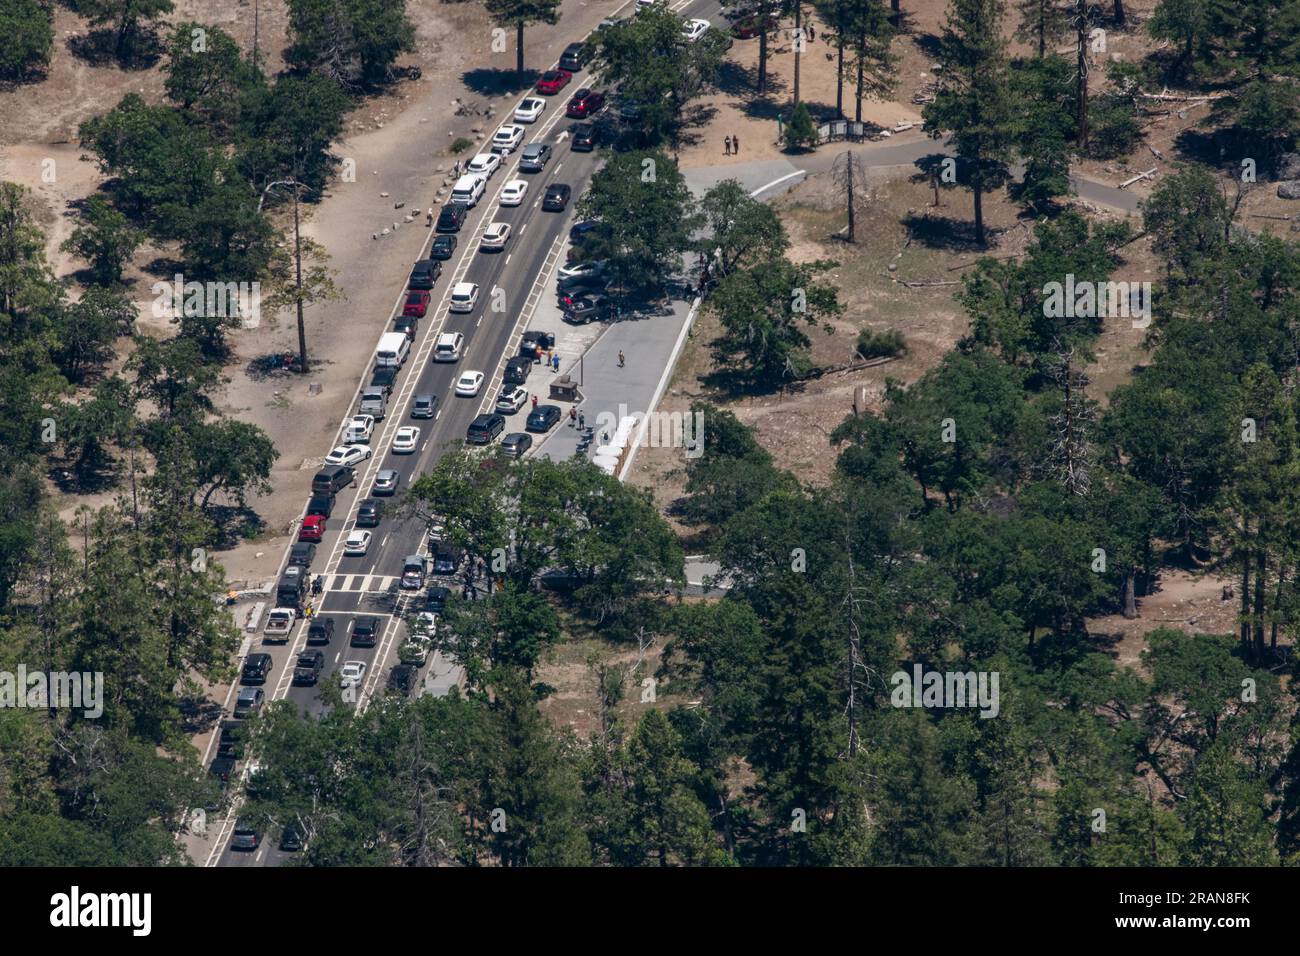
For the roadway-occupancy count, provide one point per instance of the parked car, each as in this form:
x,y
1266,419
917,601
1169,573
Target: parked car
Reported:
x,y
384,377
280,622
415,651
358,431
301,555
568,276
693,29
507,139
443,247
369,513
584,138
534,339
543,418
249,701
307,669
517,443
401,679
484,429
256,668
413,568
435,599
424,405
585,103
386,482
574,57
313,528
350,455
230,741
469,383
406,440
374,401
365,632
445,560
513,192
748,27
552,81
511,399
409,326
556,197
484,164
534,157
292,839
417,303
517,369
425,274
322,505
451,217
587,307
530,109
495,237
320,630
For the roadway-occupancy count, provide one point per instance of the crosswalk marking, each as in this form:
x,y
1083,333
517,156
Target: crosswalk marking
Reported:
x,y
365,583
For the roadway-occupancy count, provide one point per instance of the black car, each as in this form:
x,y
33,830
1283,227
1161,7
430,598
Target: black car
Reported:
x,y
443,247
452,216
302,554
533,339
402,678
291,838
574,57
484,429
584,138
557,197
408,324
320,505
425,274
369,513
586,307
365,633
384,377
229,743
517,370
445,560
424,405
435,599
516,443
308,667
320,630
256,669
222,768
543,418
246,836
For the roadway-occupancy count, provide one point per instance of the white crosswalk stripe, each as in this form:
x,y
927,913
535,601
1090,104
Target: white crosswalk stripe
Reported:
x,y
370,583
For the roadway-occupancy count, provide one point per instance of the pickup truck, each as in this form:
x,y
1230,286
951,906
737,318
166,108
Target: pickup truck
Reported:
x,y
280,622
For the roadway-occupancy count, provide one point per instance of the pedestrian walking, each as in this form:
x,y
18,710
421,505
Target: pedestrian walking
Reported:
x,y
726,146
573,416
534,401
428,218
812,33
735,145
621,359
555,363
582,420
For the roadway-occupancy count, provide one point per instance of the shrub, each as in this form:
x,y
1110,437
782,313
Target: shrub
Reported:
x,y
873,344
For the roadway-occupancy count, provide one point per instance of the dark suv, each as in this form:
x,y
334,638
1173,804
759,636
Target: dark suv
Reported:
x,y
517,370
584,138
452,216
425,274
369,513
320,630
307,669
256,669
302,554
401,680
365,633
557,197
574,57
484,429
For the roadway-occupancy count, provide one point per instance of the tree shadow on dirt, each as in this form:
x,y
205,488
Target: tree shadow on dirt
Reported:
x,y
496,82
102,48
944,232
234,524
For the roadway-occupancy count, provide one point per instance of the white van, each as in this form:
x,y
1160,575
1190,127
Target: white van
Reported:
x,y
394,347
469,189
448,347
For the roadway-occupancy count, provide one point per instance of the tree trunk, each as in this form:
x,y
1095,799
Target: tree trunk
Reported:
x,y
1244,627
762,50
798,45
1119,11
1130,600
857,111
1261,572
839,76
979,214
1081,66
519,48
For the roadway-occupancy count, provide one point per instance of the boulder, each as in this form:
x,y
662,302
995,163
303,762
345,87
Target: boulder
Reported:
x,y
1288,166
1289,189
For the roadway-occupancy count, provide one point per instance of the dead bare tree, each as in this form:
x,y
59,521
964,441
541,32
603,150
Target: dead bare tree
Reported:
x,y
1081,21
849,177
1070,457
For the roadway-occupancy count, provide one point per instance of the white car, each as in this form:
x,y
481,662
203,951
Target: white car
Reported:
x,y
484,164
643,4
512,194
464,296
359,429
507,139
529,109
280,622
426,624
692,30
511,399
357,543
437,531
352,672
407,437
348,455
469,383
580,269
495,236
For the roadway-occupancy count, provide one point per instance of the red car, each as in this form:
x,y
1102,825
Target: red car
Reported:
x,y
746,28
585,103
313,528
553,81
417,303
